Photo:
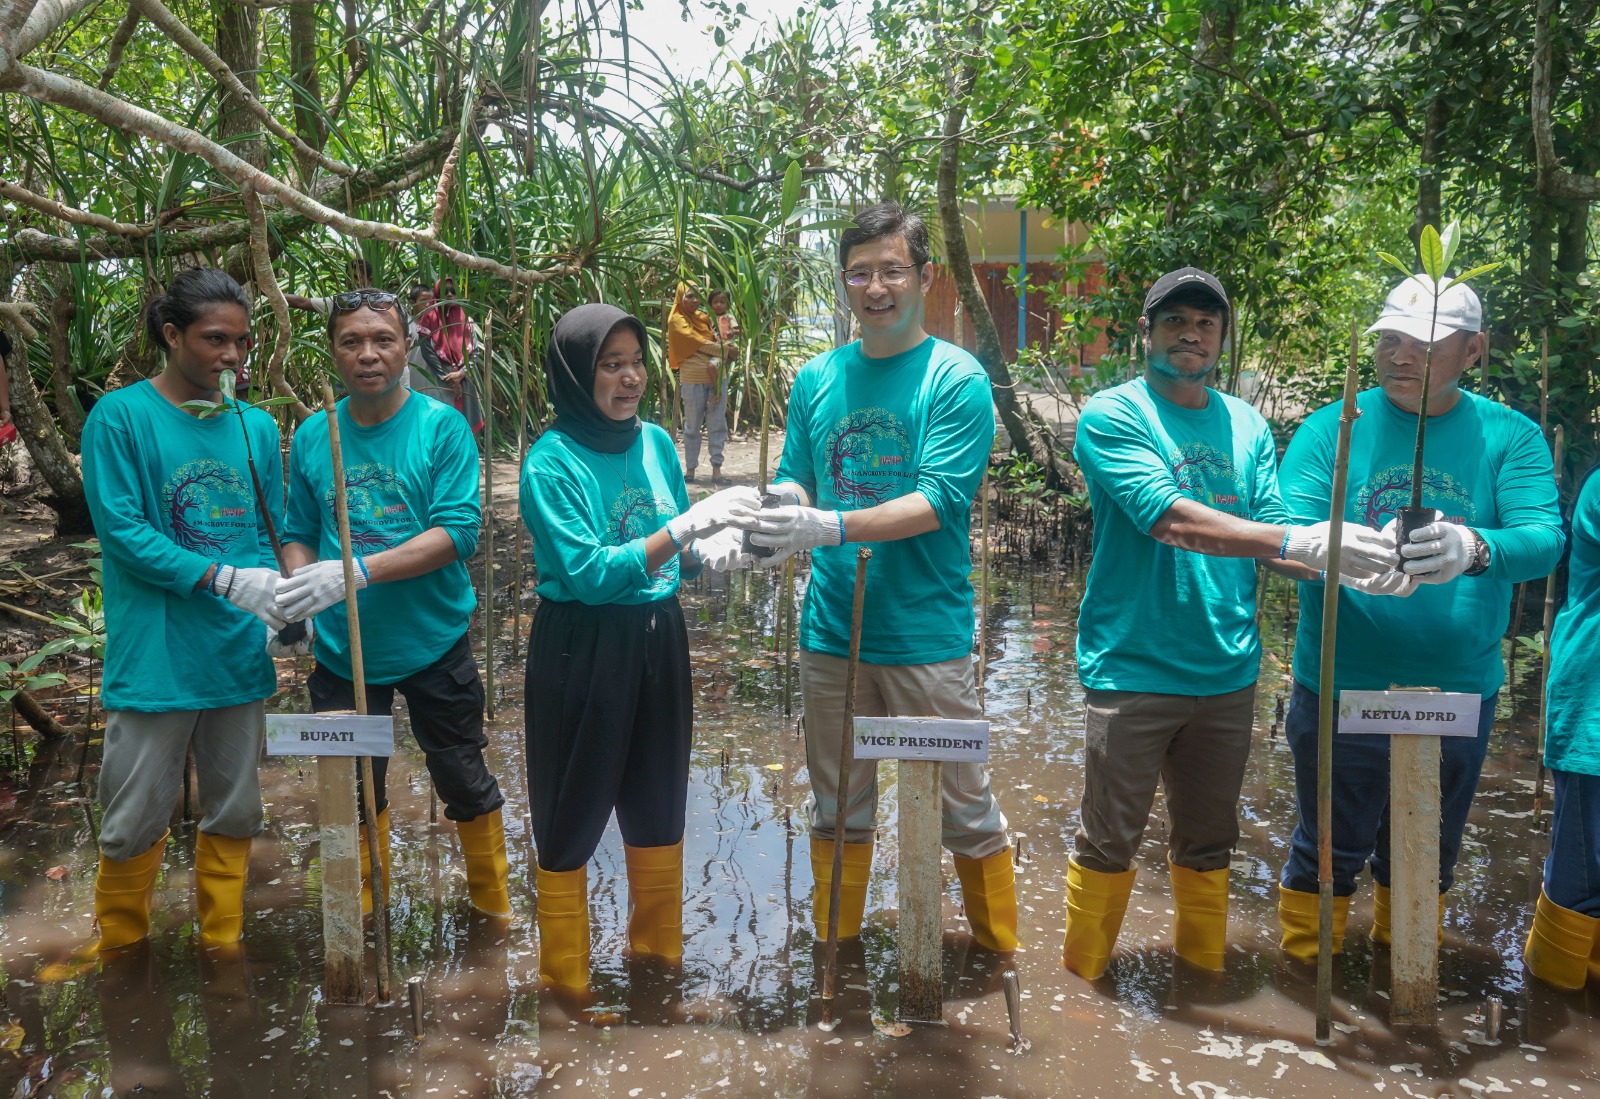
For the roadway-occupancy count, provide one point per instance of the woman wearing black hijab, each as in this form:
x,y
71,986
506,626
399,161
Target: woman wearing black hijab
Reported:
x,y
609,709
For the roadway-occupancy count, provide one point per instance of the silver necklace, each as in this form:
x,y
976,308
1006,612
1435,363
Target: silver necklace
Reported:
x,y
622,473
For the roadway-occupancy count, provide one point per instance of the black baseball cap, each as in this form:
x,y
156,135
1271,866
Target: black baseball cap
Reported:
x,y
1187,281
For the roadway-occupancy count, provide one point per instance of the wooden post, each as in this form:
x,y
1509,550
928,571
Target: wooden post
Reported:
x,y
341,880
1549,625
983,583
920,934
488,517
522,457
1414,877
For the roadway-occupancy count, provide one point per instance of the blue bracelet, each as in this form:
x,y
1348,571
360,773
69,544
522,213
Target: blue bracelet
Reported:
x,y
842,538
216,572
1283,550
365,575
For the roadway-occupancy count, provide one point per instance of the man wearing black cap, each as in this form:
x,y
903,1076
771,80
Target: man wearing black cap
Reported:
x,y
1183,483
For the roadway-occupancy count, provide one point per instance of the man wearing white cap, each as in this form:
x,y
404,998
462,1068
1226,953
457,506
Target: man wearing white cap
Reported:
x,y
1489,479
1183,482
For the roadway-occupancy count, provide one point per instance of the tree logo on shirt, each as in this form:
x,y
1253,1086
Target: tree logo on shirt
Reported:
x,y
1208,475
207,505
380,516
869,457
1389,490
639,513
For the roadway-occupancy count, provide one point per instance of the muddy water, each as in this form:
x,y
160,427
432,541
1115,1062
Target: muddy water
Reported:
x,y
738,1020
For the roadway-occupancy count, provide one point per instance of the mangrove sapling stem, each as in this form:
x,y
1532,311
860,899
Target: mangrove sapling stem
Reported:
x,y
358,680
488,517
1549,624
1325,710
766,404
847,753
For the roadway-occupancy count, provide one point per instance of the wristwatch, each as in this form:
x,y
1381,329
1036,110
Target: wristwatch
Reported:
x,y
1480,555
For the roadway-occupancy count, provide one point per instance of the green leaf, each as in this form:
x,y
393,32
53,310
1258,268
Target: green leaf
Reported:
x,y
1448,240
1394,261
225,382
31,662
792,179
1431,249
1481,269
206,409
828,225
273,402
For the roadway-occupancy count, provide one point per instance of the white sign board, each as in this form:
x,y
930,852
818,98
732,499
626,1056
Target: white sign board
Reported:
x,y
1409,713
329,735
946,739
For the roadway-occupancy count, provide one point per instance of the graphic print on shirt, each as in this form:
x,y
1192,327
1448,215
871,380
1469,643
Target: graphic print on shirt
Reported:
x,y
869,458
1388,490
208,506
1208,475
639,513
380,516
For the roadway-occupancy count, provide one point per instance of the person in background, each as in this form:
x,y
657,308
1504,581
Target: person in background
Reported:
x,y
5,383
411,471
188,578
1563,947
446,323
609,700
1491,484
693,347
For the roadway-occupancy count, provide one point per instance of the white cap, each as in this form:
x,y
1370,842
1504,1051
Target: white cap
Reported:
x,y
1409,307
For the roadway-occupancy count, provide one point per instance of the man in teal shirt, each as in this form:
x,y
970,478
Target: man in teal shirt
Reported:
x,y
1490,481
1183,483
888,438
411,475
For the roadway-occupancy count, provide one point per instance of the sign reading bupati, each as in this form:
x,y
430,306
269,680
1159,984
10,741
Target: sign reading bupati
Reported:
x,y
1409,713
329,735
945,739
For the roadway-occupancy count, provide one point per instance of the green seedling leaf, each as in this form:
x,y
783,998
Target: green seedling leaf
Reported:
x,y
1394,261
205,408
792,179
1449,239
226,383
1431,250
273,402
1481,269
31,662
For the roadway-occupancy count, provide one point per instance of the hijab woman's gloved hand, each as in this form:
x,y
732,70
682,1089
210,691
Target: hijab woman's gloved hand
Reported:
x,y
722,551
314,588
790,529
712,513
1363,552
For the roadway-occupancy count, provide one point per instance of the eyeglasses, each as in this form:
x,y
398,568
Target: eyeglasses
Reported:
x,y
377,300
893,277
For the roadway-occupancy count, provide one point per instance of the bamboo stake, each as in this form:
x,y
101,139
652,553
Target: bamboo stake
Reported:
x,y
983,587
1325,716
522,456
358,679
847,752
488,517
1549,624
766,404
788,637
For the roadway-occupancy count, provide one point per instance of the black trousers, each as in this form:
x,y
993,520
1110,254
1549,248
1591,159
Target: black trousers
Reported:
x,y
446,704
609,725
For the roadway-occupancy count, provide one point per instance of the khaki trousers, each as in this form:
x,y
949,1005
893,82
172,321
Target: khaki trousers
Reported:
x,y
974,826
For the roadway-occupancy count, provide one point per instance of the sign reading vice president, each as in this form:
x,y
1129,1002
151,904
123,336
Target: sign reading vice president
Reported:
x,y
330,735
948,740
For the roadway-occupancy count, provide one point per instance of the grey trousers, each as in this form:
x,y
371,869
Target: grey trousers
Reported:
x,y
974,826
699,412
142,773
1195,746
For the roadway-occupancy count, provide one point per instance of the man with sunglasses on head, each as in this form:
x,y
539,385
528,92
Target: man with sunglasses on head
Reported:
x,y
887,441
411,476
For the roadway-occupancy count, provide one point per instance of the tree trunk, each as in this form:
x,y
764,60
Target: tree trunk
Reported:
x,y
303,65
50,455
29,710
1430,201
1026,434
237,44
62,310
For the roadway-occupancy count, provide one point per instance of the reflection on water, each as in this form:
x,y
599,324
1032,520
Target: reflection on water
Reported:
x,y
167,1018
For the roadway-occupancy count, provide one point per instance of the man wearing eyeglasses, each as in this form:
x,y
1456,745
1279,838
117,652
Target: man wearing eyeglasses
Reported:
x,y
411,476
886,443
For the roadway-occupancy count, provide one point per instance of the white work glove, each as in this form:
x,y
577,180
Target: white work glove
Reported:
x,y
314,588
1364,552
722,551
710,514
790,529
276,648
1397,584
250,590
1438,553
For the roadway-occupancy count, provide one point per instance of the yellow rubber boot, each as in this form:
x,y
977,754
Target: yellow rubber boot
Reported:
x,y
221,865
122,893
989,893
655,900
1298,916
852,886
563,917
1380,915
1096,903
483,846
1561,944
1199,914
366,861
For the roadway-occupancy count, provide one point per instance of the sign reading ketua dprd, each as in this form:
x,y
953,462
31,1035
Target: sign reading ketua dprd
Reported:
x,y
945,739
330,735
1409,713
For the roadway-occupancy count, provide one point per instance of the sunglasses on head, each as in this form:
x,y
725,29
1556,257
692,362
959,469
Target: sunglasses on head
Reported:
x,y
350,300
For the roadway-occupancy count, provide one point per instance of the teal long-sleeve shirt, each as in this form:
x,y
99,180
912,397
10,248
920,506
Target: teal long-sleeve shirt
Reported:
x,y
1572,721
1485,467
170,496
590,513
415,471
